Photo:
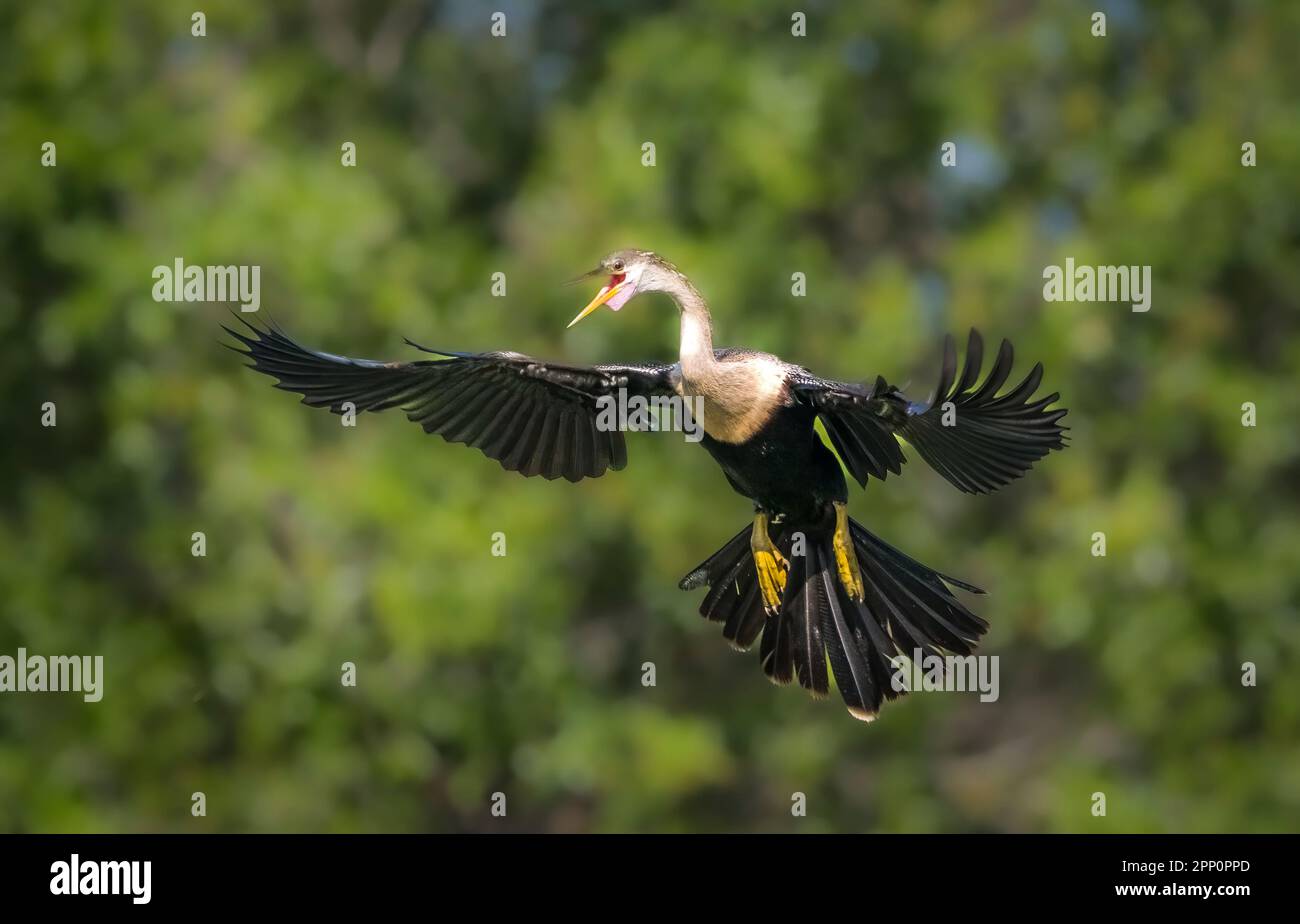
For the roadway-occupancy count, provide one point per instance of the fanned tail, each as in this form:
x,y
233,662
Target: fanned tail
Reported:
x,y
907,607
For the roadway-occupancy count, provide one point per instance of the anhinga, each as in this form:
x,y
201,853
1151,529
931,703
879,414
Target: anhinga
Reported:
x,y
815,584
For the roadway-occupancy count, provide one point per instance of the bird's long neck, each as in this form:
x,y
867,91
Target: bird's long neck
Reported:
x,y
735,400
696,350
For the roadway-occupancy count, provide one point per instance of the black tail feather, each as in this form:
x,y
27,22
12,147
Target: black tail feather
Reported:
x,y
776,653
733,597
707,572
802,606
847,647
908,607
746,619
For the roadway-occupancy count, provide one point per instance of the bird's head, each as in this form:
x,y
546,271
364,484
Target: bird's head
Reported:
x,y
630,273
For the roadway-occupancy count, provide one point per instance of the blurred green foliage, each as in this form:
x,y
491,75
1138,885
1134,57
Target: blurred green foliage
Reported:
x,y
522,155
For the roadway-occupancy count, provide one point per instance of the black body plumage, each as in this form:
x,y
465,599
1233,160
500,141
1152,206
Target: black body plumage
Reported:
x,y
785,468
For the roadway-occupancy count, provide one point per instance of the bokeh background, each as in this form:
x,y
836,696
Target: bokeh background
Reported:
x,y
522,155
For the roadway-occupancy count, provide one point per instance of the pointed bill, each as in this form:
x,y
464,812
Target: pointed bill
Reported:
x,y
605,294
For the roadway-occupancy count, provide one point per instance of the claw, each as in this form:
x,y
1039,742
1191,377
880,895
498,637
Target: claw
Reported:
x,y
770,564
846,558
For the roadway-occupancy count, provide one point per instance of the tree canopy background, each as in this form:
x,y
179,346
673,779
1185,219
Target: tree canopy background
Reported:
x,y
522,154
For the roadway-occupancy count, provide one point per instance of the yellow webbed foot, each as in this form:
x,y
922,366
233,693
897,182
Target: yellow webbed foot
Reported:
x,y
770,565
846,557
772,568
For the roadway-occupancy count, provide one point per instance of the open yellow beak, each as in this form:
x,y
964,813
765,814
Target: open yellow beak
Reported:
x,y
604,295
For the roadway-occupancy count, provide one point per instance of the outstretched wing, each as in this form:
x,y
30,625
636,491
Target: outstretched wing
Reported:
x,y
534,417
974,437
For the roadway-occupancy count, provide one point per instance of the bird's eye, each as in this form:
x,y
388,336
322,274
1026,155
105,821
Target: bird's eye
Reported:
x,y
618,266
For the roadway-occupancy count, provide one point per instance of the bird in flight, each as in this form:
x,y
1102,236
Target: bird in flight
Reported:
x,y
814,584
